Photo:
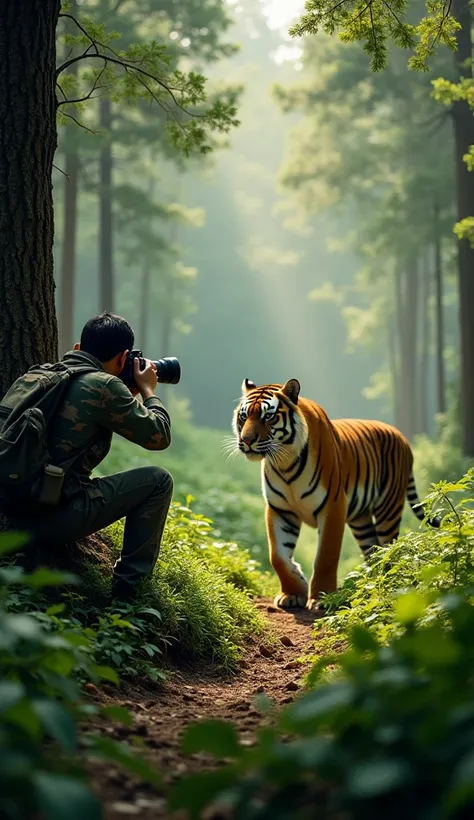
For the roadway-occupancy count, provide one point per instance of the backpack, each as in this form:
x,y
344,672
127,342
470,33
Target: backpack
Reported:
x,y
26,472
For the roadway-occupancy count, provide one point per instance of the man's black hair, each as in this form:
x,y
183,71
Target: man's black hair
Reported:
x,y
107,335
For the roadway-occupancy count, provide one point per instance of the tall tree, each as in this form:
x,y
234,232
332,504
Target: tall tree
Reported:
x,y
28,137
28,328
451,24
464,139
67,276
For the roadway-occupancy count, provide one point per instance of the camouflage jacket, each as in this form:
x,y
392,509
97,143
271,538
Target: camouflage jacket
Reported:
x,y
97,405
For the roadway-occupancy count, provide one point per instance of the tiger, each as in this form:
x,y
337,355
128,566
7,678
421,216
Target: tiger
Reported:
x,y
324,474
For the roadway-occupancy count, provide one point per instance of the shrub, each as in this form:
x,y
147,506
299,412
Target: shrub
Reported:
x,y
198,603
41,764
394,737
391,731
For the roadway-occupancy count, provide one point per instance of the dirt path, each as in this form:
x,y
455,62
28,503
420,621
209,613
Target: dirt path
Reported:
x,y
191,695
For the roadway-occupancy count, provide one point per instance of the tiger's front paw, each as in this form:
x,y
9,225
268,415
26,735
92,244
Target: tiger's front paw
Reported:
x,y
290,600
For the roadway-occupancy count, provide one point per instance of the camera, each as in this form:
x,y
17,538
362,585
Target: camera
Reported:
x,y
168,370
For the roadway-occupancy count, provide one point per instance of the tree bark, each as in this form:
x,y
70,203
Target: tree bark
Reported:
x,y
68,255
463,138
423,382
406,292
28,138
106,253
439,317
393,366
145,303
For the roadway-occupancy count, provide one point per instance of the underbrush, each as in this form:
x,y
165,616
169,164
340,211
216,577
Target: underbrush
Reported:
x,y
42,669
198,603
386,727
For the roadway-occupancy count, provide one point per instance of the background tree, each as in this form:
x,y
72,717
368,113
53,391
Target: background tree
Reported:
x,y
375,25
28,139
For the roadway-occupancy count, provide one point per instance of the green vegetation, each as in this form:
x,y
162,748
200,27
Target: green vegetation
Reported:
x,y
55,640
44,659
387,725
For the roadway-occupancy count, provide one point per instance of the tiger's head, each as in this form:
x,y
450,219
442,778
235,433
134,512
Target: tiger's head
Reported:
x,y
267,421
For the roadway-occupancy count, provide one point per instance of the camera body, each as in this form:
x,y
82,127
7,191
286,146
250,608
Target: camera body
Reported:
x,y
168,369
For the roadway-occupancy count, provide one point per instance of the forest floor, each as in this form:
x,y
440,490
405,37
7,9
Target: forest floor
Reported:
x,y
195,693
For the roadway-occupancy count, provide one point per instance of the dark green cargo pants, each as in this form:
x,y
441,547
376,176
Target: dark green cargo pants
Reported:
x,y
142,496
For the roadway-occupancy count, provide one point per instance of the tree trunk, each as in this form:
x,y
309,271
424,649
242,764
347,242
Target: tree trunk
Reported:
x,y
463,138
106,258
439,318
145,303
68,255
393,365
28,138
145,295
423,381
406,290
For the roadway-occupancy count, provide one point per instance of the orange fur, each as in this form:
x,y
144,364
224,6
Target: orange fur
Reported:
x,y
325,474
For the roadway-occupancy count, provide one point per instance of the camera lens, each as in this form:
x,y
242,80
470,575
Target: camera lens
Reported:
x,y
168,370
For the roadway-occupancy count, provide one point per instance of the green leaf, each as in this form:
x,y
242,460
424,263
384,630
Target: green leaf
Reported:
x,y
118,713
320,703
22,626
10,693
126,757
198,790
44,577
150,611
213,736
11,541
64,798
107,673
362,639
23,716
409,607
57,722
55,609
379,777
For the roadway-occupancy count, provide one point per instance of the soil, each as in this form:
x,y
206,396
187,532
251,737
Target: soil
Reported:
x,y
190,695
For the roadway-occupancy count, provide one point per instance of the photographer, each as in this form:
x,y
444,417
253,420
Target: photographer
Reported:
x,y
95,405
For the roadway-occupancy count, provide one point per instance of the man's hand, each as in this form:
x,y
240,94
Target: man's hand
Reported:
x,y
146,379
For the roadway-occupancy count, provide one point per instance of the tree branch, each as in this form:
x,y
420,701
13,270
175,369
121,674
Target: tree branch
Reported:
x,y
81,124
88,96
68,176
81,28
128,66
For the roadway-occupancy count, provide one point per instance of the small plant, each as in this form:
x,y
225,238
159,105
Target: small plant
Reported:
x,y
41,672
390,732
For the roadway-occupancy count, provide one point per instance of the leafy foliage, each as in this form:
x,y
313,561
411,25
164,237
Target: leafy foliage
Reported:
x,y
372,740
144,72
378,22
41,670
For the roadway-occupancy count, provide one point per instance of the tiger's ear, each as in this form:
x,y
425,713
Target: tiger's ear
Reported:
x,y
292,390
247,386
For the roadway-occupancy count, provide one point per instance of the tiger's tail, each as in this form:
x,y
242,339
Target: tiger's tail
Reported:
x,y
417,506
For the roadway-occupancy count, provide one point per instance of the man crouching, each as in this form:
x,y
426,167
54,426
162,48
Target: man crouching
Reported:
x,y
96,403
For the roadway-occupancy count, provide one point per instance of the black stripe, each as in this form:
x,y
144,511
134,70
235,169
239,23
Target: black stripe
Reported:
x,y
315,478
365,529
303,458
277,492
283,514
323,502
291,530
289,544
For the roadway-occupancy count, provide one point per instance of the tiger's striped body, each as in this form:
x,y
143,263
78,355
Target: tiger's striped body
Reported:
x,y
322,473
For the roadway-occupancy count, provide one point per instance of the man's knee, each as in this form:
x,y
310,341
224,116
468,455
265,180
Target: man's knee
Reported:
x,y
162,481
